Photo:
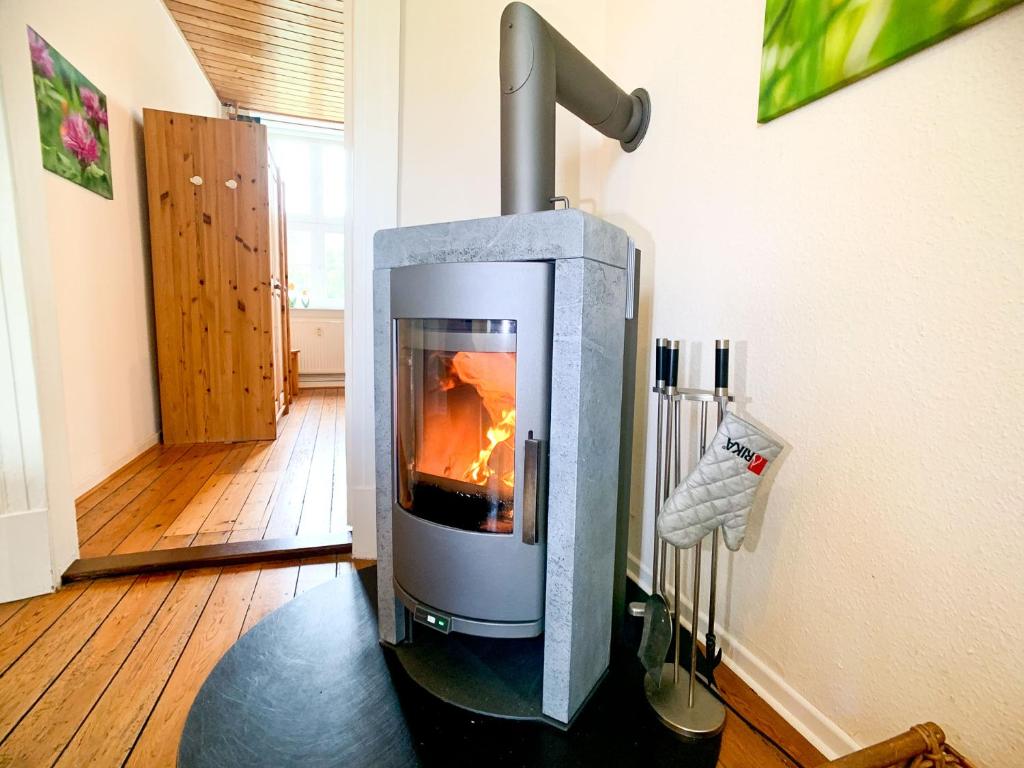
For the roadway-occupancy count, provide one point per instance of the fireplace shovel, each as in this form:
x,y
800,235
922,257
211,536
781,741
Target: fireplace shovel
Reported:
x,y
657,634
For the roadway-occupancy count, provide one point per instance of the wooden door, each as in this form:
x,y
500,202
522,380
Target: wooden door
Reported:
x,y
209,232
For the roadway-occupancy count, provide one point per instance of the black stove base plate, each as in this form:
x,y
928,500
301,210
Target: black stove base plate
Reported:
x,y
502,678
311,686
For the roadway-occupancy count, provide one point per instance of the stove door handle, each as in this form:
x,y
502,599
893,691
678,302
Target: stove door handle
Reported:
x,y
535,488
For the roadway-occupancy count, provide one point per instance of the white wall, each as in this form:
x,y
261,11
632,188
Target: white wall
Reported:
x,y
371,143
450,106
865,254
99,249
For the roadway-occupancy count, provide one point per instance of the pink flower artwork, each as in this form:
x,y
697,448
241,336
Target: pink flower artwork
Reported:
x,y
79,139
40,50
93,107
74,138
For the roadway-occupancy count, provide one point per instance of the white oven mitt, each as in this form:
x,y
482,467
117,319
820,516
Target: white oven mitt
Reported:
x,y
720,490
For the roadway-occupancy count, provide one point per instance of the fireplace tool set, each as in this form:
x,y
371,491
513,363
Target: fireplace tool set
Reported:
x,y
685,707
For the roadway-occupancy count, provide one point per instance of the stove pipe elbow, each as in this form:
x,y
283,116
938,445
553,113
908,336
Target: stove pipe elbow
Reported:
x,y
538,69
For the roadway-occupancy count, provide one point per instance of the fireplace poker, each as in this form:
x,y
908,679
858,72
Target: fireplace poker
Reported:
x,y
695,617
671,367
659,386
713,655
675,438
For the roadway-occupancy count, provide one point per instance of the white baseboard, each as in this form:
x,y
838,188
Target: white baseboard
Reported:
x,y
811,722
98,477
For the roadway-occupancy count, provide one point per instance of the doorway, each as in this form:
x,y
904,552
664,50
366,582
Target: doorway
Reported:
x,y
233,466
132,476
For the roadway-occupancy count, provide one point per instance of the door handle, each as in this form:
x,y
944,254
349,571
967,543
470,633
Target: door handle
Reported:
x,y
535,487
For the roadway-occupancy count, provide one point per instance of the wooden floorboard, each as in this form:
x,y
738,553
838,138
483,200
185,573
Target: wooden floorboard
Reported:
x,y
111,728
192,517
7,610
314,572
119,526
56,716
120,500
92,497
34,618
205,539
275,587
229,506
339,520
744,746
29,677
315,516
154,526
253,512
287,510
216,631
103,673
194,495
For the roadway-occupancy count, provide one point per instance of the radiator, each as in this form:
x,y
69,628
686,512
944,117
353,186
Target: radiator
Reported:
x,y
321,343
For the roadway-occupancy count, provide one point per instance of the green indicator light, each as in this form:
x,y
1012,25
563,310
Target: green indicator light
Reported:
x,y
440,623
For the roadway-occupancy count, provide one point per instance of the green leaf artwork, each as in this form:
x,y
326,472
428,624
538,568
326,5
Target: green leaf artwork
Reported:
x,y
73,131
814,47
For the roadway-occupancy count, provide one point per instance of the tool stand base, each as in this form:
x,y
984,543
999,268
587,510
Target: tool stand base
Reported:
x,y
670,702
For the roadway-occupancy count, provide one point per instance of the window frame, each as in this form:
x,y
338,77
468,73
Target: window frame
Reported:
x,y
315,222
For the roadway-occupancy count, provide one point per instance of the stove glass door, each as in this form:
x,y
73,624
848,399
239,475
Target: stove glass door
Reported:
x,y
456,419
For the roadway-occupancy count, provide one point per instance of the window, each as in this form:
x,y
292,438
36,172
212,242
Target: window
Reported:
x,y
311,160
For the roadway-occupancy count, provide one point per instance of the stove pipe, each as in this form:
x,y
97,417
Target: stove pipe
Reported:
x,y
539,67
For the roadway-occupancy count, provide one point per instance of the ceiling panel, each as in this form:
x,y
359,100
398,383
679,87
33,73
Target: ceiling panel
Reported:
x,y
283,56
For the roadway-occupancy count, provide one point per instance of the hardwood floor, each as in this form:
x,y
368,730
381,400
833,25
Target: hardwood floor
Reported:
x,y
103,673
212,493
743,747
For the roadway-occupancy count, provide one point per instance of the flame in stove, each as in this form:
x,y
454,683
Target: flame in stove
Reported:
x,y
470,419
493,376
479,471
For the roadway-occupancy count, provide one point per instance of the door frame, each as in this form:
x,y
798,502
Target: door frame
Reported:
x,y
38,532
372,145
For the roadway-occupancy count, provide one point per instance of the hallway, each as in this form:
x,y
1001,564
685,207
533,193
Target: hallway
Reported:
x,y
214,493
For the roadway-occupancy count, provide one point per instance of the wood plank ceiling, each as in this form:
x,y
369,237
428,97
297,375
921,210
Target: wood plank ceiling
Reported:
x,y
281,56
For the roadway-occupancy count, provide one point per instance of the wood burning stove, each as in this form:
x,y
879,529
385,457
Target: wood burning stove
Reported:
x,y
471,403
502,361
504,354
